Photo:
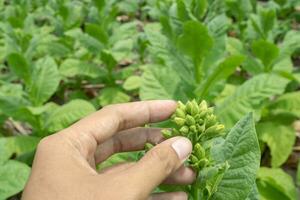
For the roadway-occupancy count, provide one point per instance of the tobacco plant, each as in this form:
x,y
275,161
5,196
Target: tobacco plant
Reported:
x,y
199,123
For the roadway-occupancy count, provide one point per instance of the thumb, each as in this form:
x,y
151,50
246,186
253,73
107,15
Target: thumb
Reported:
x,y
158,163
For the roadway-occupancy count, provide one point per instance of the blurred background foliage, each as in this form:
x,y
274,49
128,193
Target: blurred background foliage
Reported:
x,y
61,60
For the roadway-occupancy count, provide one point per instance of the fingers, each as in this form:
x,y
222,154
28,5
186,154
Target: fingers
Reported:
x,y
182,176
111,119
99,126
128,140
161,161
169,196
116,168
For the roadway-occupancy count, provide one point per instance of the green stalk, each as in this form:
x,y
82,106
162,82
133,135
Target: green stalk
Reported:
x,y
195,191
198,70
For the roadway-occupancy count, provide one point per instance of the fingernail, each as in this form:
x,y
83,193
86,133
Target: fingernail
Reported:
x,y
183,147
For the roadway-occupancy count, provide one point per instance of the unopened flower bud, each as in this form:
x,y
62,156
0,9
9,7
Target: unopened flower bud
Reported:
x,y
193,129
195,108
179,121
181,106
166,133
148,146
199,151
184,130
189,106
190,120
180,113
203,106
210,120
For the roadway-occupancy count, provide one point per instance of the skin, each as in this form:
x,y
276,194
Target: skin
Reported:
x,y
64,164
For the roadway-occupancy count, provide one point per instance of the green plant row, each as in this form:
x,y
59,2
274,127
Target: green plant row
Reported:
x,y
61,60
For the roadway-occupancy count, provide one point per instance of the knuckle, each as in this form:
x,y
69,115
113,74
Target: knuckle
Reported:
x,y
45,143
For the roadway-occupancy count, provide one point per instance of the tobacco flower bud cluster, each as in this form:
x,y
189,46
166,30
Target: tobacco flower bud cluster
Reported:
x,y
198,123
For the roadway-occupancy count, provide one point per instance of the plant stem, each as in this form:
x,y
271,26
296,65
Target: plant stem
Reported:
x,y
196,191
198,70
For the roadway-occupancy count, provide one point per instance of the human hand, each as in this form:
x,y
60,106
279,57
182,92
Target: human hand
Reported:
x,y
65,163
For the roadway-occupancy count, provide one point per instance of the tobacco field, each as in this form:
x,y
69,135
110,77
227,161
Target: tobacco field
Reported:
x,y
61,60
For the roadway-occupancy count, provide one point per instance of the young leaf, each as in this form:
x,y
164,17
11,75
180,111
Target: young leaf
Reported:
x,y
241,151
195,40
265,51
97,32
45,79
267,19
199,7
275,184
14,176
279,138
132,83
249,97
19,66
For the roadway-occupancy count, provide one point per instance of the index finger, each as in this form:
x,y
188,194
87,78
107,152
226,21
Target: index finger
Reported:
x,y
104,123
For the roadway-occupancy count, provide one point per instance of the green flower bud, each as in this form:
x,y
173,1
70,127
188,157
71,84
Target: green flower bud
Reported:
x,y
189,106
148,146
180,113
195,108
184,130
193,159
213,131
199,151
179,121
181,106
210,110
203,106
166,133
190,120
193,129
200,129
210,120
175,132
203,163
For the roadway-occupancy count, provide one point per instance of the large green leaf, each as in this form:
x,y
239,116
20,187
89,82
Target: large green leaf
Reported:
x,y
241,151
157,84
16,145
161,49
290,44
222,71
73,67
279,138
112,95
13,176
12,99
249,97
45,79
275,184
67,114
288,103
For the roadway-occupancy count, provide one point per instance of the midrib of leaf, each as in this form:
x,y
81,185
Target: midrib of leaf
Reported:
x,y
247,96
